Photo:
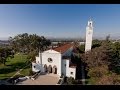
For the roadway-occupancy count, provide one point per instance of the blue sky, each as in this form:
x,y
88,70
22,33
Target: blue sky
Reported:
x,y
59,20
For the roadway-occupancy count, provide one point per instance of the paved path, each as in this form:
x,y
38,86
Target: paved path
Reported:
x,y
18,72
48,79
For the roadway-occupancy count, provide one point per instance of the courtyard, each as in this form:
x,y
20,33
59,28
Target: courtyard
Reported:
x,y
47,79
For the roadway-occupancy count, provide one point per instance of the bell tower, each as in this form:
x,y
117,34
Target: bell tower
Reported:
x,y
89,34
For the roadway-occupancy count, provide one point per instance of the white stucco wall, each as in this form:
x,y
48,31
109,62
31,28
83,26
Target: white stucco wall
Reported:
x,y
64,66
38,60
69,70
74,72
56,57
88,43
89,34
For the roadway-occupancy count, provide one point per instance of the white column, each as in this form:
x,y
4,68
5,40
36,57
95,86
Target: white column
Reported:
x,y
89,33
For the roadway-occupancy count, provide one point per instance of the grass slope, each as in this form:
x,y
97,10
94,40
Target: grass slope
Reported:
x,y
12,65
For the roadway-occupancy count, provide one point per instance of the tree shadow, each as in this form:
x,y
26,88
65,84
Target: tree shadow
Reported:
x,y
12,68
95,45
79,73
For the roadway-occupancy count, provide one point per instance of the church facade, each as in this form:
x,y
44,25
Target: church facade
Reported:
x,y
56,61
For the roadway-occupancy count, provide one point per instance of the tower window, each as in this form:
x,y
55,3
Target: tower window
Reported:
x,y
71,73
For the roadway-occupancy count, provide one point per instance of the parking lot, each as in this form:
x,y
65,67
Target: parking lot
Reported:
x,y
48,79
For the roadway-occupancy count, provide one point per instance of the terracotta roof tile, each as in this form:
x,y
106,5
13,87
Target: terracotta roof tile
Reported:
x,y
63,48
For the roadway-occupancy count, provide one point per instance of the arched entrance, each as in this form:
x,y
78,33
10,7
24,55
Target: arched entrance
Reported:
x,y
45,67
50,69
54,69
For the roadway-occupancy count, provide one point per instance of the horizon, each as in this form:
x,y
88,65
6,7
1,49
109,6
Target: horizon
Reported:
x,y
59,21
78,38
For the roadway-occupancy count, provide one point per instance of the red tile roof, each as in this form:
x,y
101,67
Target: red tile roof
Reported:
x,y
63,48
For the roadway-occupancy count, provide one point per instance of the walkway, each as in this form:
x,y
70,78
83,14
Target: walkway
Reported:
x,y
48,79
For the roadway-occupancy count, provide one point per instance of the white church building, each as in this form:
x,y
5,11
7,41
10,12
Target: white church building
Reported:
x,y
58,60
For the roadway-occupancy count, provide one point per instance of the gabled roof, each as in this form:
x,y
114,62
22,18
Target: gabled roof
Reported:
x,y
63,48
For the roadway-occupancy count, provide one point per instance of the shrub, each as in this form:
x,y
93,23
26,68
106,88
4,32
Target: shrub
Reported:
x,y
111,79
70,80
98,71
76,82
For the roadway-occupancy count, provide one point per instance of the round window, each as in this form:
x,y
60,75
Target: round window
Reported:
x,y
50,60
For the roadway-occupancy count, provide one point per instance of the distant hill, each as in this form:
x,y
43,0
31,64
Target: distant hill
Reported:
x,y
65,39
4,42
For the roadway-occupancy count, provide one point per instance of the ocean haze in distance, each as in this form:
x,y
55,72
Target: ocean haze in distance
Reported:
x,y
78,38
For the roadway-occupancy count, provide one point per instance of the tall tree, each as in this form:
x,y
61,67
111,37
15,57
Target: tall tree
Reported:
x,y
115,57
5,53
96,43
97,56
27,43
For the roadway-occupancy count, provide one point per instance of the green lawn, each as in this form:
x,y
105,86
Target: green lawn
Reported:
x,y
25,71
12,65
